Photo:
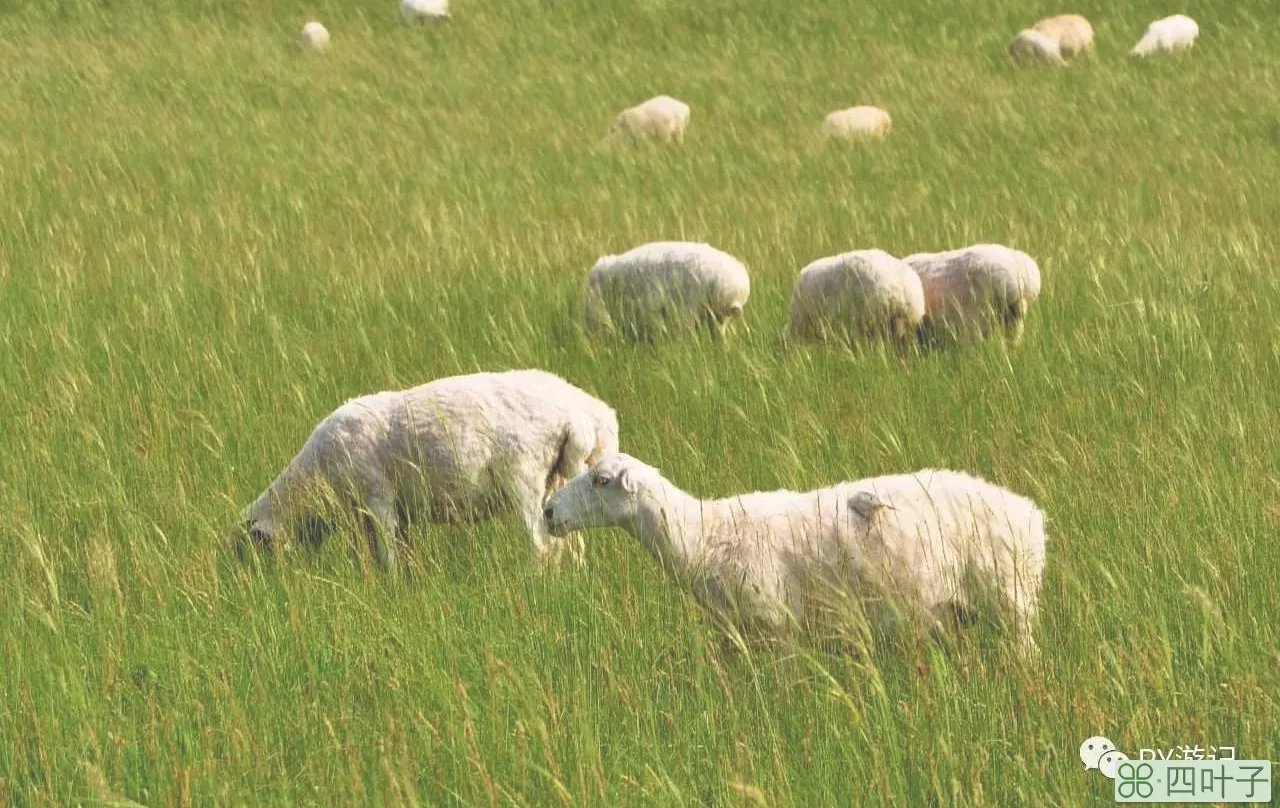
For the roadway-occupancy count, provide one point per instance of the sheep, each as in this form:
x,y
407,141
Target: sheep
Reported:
x,y
857,123
1072,32
412,11
1033,46
856,295
1169,35
314,36
967,291
662,286
662,118
926,544
463,448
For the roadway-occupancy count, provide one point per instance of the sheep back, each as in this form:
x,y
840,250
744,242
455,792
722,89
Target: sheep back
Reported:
x,y
1072,32
453,449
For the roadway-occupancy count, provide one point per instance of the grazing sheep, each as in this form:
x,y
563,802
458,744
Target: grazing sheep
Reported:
x,y
1032,46
1169,35
464,448
314,36
662,118
664,286
1072,32
856,295
424,10
967,291
925,545
857,123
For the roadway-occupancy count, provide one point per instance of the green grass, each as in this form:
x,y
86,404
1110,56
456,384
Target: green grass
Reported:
x,y
209,240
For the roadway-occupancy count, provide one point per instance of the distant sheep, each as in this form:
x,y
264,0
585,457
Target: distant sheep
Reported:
x,y
464,448
665,286
1169,35
968,291
1031,46
858,123
314,36
662,119
1072,32
856,295
923,546
424,10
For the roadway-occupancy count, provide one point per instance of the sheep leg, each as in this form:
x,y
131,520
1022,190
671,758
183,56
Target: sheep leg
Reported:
x,y
1014,315
1024,616
714,326
1027,644
382,527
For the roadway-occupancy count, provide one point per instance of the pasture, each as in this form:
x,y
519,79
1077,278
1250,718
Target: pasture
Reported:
x,y
211,238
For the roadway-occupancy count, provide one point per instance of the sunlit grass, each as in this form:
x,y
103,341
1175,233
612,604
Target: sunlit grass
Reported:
x,y
212,239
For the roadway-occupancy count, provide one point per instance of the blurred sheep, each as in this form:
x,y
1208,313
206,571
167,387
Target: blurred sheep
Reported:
x,y
665,286
662,118
865,294
858,123
1169,35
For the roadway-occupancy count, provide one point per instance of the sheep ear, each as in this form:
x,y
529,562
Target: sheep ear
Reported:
x,y
627,479
866,504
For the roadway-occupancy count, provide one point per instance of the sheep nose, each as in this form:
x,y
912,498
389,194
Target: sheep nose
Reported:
x,y
547,512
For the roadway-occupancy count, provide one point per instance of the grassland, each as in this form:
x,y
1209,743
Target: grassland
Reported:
x,y
209,240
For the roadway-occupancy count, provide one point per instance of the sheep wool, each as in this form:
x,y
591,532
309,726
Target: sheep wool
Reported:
x,y
665,286
662,119
1072,32
1169,35
865,294
464,448
424,10
314,36
967,292
858,123
1032,47
921,546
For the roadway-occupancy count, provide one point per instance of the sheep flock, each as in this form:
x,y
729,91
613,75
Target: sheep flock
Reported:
x,y
527,442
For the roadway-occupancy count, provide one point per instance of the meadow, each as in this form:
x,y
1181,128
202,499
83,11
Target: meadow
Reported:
x,y
210,239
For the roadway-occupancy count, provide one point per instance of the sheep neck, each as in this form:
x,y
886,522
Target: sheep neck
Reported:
x,y
670,522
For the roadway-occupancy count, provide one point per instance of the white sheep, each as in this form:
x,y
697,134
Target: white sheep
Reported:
x,y
925,545
968,291
856,295
1072,32
464,448
662,118
857,123
1169,35
314,36
664,286
1033,46
424,10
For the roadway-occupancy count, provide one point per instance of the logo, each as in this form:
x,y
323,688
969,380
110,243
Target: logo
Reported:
x,y
1192,778
1101,754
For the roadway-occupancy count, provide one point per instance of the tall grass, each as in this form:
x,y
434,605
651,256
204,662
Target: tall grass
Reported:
x,y
211,239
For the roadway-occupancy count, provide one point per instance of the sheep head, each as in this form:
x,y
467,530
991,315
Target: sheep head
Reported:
x,y
605,495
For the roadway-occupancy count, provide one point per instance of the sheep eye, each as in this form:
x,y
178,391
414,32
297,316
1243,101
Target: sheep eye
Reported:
x,y
602,480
